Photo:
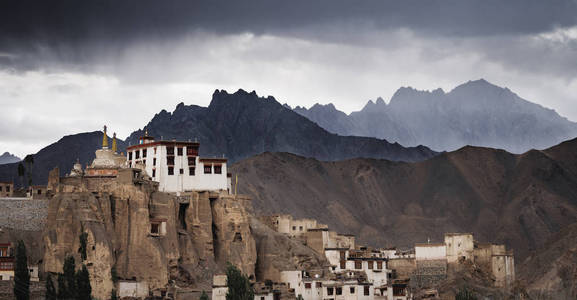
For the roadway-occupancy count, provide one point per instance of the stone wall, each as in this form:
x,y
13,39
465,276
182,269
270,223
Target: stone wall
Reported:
x,y
23,213
403,268
37,290
429,273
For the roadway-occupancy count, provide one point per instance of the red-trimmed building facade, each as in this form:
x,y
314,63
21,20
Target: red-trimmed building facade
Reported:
x,y
177,166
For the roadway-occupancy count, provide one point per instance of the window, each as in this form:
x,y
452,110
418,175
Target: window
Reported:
x,y
181,171
6,266
307,285
143,152
192,161
179,151
294,228
137,154
339,291
319,284
217,169
207,168
4,252
154,161
191,171
153,172
39,192
367,290
129,155
300,228
358,264
379,265
154,150
370,265
170,160
154,228
0,188
352,290
330,291
169,150
191,151
170,170
343,264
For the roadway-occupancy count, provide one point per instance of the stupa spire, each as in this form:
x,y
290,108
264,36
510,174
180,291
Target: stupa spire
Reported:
x,y
104,139
114,142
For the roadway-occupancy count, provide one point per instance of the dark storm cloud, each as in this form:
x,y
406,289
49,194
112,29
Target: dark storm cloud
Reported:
x,y
73,31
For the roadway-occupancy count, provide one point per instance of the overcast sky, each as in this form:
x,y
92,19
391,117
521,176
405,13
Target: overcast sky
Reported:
x,y
73,66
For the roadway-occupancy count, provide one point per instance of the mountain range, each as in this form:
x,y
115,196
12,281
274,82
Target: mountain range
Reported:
x,y
243,124
475,113
8,158
236,126
518,200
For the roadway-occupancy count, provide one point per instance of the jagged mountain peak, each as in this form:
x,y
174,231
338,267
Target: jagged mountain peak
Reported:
x,y
319,106
244,124
8,158
479,85
476,112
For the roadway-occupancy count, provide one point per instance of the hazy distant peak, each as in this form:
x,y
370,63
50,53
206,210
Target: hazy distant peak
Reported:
x,y
478,85
8,158
318,106
370,104
438,92
476,112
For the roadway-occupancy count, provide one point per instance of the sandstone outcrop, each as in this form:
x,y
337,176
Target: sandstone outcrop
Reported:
x,y
147,236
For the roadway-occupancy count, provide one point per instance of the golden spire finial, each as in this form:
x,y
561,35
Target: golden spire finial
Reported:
x,y
104,139
114,142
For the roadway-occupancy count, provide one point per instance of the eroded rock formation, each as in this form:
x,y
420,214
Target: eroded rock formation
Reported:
x,y
147,236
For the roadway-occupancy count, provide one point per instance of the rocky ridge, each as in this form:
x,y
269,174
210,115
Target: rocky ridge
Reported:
x,y
475,113
243,124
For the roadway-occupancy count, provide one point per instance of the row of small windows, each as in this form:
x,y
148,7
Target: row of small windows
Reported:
x,y
169,161
370,265
191,170
7,188
169,152
339,290
208,169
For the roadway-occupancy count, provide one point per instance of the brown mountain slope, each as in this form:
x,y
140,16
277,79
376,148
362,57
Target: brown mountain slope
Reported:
x,y
551,272
519,200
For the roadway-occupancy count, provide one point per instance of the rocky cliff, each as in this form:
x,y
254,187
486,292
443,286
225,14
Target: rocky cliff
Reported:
x,y
147,236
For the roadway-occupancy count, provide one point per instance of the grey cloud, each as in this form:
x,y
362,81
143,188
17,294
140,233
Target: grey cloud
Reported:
x,y
79,31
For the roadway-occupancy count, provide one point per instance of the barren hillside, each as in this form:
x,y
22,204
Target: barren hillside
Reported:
x,y
519,200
